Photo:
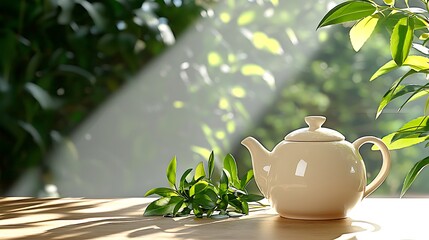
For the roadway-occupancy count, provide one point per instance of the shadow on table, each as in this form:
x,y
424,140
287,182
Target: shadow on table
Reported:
x,y
110,218
260,227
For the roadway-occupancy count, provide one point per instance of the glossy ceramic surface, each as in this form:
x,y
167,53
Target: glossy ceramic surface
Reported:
x,y
314,174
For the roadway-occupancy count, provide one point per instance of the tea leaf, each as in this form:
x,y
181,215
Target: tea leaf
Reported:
x,y
206,200
171,172
246,179
183,178
211,165
197,211
223,183
199,171
197,188
251,198
161,206
202,195
163,192
177,207
245,207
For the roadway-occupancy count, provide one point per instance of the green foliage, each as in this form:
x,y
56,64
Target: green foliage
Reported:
x,y
411,176
409,30
362,30
401,39
347,11
61,59
203,195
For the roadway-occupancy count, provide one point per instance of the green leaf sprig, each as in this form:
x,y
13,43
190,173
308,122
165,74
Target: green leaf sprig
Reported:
x,y
202,195
408,28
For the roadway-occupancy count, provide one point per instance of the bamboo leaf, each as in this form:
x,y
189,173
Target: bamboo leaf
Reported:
x,y
389,66
35,134
94,10
417,125
413,173
78,71
409,134
401,39
417,63
362,30
400,143
45,100
65,15
395,92
414,95
347,11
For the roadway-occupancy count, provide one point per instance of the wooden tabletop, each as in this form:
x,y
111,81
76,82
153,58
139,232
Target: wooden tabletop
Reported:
x,y
75,218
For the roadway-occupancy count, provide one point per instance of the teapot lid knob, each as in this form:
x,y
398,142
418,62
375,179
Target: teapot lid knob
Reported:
x,y
314,132
314,122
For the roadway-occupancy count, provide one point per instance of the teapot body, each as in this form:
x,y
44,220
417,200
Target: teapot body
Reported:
x,y
314,173
315,180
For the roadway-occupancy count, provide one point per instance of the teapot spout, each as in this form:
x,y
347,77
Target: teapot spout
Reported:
x,y
261,162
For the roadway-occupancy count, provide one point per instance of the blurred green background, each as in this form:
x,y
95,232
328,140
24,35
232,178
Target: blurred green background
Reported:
x,y
97,96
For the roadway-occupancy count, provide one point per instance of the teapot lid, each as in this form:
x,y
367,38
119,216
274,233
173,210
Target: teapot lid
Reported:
x,y
315,132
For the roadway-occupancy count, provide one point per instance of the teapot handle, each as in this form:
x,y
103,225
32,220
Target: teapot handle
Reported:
x,y
385,167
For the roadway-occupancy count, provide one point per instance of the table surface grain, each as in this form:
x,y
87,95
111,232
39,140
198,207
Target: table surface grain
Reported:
x,y
80,218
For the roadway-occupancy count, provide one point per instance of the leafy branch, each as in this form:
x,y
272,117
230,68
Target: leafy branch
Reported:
x,y
408,29
200,194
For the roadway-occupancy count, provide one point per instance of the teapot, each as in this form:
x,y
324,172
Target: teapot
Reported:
x,y
314,173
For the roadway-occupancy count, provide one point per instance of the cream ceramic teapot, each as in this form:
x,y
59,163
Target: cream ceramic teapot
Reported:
x,y
314,173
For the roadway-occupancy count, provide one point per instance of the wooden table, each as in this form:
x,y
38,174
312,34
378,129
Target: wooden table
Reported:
x,y
75,218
